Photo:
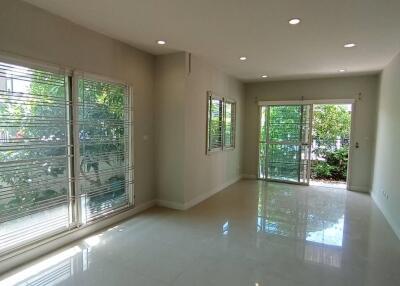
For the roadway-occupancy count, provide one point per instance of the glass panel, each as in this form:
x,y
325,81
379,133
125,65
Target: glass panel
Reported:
x,y
288,129
263,124
262,143
285,123
34,186
283,162
262,157
215,124
103,141
228,136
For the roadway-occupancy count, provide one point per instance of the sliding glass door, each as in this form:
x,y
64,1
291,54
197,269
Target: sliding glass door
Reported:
x,y
284,146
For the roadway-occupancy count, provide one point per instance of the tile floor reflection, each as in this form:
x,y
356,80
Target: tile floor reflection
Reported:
x,y
315,219
253,233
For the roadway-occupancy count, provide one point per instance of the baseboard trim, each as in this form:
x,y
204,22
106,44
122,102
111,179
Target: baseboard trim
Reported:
x,y
46,246
171,205
249,177
361,189
388,217
196,200
205,196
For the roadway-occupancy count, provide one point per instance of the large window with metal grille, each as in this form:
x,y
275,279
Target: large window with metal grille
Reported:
x,y
65,152
221,123
103,139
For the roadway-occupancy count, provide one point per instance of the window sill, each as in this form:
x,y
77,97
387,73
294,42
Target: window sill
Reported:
x,y
229,149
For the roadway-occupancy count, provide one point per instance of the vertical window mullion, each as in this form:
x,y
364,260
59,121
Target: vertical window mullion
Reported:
x,y
79,219
70,150
210,139
129,163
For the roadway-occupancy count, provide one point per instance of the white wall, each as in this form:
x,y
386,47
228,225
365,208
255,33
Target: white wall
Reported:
x,y
387,152
33,33
185,173
329,88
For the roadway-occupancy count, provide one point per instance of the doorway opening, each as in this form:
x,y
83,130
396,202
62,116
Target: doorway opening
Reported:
x,y
330,145
305,142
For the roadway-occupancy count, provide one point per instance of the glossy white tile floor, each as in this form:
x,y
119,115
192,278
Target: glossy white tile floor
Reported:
x,y
253,233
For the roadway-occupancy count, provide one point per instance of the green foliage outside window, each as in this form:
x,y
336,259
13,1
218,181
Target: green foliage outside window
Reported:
x,y
331,132
34,117
215,124
40,119
334,167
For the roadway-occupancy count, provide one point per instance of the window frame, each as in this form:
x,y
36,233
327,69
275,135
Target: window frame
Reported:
x,y
233,124
222,121
72,108
66,73
210,97
80,75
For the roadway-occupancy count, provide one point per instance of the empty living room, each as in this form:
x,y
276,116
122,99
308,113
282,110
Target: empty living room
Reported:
x,y
200,142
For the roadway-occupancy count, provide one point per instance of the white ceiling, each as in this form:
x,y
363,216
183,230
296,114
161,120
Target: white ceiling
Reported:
x,y
223,30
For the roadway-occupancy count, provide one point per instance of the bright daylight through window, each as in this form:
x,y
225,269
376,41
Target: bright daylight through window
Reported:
x,y
65,157
221,123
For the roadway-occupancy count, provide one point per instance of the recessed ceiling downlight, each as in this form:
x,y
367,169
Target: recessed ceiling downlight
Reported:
x,y
341,70
294,21
161,42
243,58
264,76
349,45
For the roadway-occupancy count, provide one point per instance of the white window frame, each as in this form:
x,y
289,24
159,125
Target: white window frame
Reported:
x,y
211,96
80,75
233,124
75,224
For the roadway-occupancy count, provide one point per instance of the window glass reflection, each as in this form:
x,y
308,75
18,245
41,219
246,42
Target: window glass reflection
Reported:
x,y
57,268
50,271
330,234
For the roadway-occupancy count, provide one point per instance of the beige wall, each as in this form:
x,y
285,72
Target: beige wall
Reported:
x,y
206,174
387,152
330,88
170,118
33,33
185,173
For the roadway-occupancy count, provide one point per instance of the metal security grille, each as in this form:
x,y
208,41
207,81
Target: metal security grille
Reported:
x,y
284,146
229,124
105,171
65,152
215,123
34,154
221,123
